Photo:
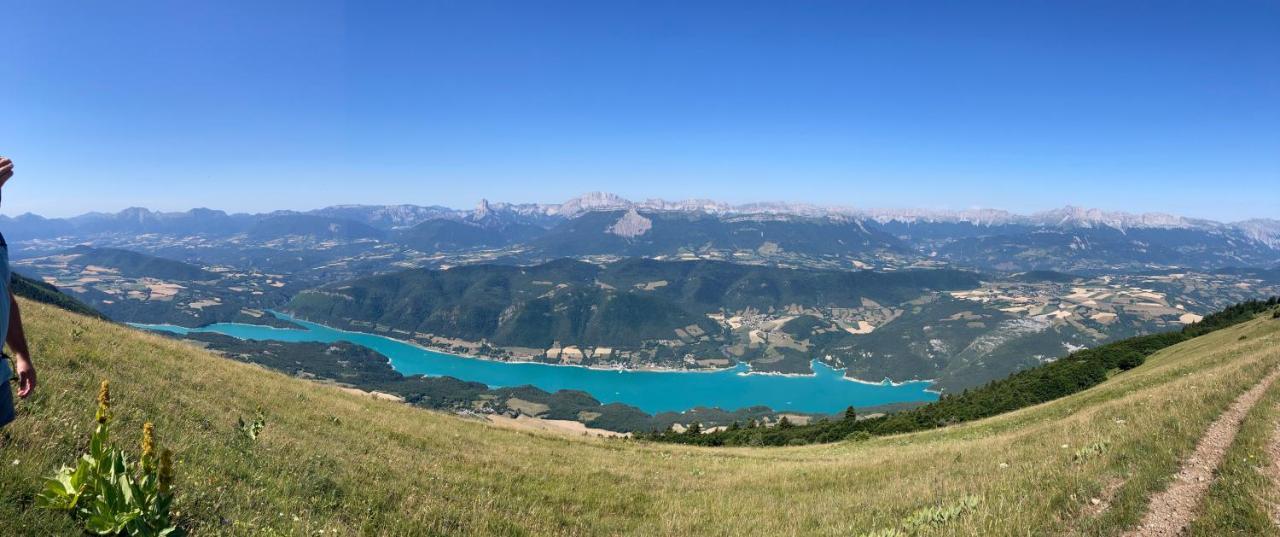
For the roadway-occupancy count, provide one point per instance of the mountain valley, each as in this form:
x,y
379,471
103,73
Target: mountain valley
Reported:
x,y
955,298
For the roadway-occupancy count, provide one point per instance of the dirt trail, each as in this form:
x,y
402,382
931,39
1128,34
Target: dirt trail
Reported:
x,y
1172,510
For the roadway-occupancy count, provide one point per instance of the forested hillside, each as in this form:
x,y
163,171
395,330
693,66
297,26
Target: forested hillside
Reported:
x,y
659,311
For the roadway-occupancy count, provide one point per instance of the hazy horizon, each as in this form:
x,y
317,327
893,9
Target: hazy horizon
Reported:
x,y
829,205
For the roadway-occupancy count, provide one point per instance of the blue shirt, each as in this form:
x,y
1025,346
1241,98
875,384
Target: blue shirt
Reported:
x,y
5,281
6,394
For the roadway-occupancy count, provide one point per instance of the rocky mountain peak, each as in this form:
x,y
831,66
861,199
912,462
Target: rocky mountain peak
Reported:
x,y
483,210
592,201
631,225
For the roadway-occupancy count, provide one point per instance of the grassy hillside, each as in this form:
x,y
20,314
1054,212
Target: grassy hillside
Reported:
x,y
333,461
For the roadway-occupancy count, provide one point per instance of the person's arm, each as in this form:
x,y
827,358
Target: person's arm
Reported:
x,y
6,170
17,341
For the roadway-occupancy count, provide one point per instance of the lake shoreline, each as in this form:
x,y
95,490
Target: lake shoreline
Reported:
x,y
746,367
653,390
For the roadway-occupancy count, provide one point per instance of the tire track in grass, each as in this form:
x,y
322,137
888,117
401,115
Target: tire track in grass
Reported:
x,y
1172,510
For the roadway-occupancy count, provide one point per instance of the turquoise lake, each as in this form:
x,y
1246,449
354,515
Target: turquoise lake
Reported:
x,y
652,391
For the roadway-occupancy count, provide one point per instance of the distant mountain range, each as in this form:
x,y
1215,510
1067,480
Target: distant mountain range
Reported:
x,y
390,217
602,224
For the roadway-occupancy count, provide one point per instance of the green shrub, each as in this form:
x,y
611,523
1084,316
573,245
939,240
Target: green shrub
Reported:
x,y
1130,360
108,495
251,430
858,436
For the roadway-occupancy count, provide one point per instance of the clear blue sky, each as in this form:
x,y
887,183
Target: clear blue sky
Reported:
x,y
248,106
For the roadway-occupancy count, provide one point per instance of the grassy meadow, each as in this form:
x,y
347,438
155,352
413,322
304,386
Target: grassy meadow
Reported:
x,y
330,462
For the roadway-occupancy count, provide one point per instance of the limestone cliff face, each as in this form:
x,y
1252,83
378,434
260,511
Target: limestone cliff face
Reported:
x,y
631,225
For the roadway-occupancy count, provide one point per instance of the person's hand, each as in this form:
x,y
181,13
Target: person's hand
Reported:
x,y
26,376
6,170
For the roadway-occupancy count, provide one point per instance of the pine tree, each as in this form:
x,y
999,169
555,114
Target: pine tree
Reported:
x,y
850,414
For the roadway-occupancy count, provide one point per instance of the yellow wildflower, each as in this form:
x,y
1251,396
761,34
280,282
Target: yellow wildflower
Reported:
x,y
104,402
148,445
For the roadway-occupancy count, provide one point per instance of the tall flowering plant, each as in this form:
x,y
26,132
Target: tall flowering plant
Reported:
x,y
106,493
